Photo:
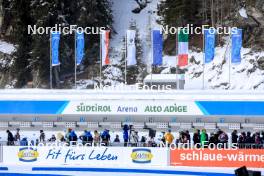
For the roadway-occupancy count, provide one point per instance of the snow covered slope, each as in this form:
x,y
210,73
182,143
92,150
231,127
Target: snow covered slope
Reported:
x,y
246,75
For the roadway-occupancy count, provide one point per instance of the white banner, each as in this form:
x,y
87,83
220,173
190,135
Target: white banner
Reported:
x,y
131,47
105,47
86,156
132,107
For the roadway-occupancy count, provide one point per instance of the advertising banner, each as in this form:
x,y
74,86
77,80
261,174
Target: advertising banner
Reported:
x,y
131,47
87,156
132,107
105,42
55,44
237,41
79,47
148,107
252,158
209,45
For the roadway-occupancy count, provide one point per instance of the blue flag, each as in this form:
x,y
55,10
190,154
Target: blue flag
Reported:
x,y
55,44
236,45
209,45
157,47
79,47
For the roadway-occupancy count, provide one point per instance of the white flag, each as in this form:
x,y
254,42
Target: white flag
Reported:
x,y
131,48
105,47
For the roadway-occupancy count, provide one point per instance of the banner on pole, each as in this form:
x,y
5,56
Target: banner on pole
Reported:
x,y
131,47
236,45
209,45
183,48
157,47
105,47
55,44
79,47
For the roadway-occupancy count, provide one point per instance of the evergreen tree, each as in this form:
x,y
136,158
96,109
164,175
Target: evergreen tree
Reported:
x,y
179,13
21,13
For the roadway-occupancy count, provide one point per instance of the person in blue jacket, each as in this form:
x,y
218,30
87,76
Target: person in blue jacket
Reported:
x,y
24,142
106,137
73,137
125,134
86,137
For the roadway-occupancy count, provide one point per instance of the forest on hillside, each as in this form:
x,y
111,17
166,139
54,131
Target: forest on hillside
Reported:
x,y
30,62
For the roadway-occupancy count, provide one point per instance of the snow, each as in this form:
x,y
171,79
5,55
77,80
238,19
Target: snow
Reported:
x,y
216,73
123,18
7,48
162,78
243,12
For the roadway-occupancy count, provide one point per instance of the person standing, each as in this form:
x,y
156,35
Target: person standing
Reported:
x,y
204,137
10,138
234,137
125,135
169,138
96,138
41,136
106,137
133,137
17,135
196,138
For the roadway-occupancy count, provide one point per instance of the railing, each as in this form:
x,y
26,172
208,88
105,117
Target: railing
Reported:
x,y
138,144
1,153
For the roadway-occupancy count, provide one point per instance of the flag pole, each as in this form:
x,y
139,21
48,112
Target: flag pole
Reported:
x,y
126,58
177,60
100,61
230,57
75,65
50,61
203,60
151,56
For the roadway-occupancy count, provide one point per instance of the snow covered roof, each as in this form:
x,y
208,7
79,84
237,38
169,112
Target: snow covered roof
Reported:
x,y
163,78
181,95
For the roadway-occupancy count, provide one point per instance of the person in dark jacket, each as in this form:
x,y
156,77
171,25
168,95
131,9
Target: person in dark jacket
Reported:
x,y
234,137
249,139
42,136
10,138
117,140
52,139
196,138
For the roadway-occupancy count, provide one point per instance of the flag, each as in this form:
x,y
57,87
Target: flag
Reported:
x,y
183,48
157,47
105,47
236,45
55,44
131,47
209,45
79,47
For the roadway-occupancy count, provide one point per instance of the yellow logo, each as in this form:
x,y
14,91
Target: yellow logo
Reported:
x,y
141,156
28,154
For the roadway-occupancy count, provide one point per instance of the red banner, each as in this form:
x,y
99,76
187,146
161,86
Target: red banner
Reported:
x,y
253,158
